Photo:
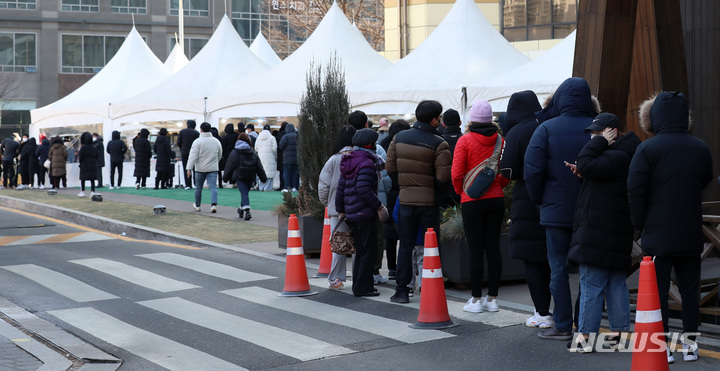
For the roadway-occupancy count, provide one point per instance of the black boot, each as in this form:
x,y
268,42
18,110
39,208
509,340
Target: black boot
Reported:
x,y
240,212
247,214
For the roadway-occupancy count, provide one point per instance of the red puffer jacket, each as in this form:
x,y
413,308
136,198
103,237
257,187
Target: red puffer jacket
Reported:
x,y
470,150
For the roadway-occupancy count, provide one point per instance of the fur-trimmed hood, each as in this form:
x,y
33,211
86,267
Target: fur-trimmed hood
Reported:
x,y
666,112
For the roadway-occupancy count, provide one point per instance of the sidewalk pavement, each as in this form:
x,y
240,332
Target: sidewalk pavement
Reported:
x,y
513,295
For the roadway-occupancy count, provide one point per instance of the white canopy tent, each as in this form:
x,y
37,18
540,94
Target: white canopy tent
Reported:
x,y
134,68
463,50
176,60
278,91
221,67
264,51
543,75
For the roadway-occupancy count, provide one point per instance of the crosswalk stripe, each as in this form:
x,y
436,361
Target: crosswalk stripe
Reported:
x,y
88,237
503,318
276,339
6,240
135,275
29,240
154,348
208,267
382,326
58,238
60,283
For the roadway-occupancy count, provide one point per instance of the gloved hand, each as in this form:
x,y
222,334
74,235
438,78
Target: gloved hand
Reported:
x,y
382,213
341,215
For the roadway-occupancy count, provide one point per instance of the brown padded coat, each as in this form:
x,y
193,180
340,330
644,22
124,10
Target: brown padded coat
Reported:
x,y
421,159
58,157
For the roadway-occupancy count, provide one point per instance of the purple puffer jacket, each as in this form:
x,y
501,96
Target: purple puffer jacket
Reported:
x,y
357,188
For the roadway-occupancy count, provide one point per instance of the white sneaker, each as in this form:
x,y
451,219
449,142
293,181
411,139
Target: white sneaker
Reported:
x,y
187,187
42,186
540,321
111,187
285,190
475,307
196,207
690,352
213,209
93,193
294,190
379,279
490,306
670,356
81,194
118,187
137,185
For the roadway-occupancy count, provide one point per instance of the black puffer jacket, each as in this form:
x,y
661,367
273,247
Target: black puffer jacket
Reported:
x,y
185,139
288,145
100,148
116,148
603,234
143,154
26,166
667,177
163,153
243,164
228,143
42,151
527,236
10,149
88,158
451,134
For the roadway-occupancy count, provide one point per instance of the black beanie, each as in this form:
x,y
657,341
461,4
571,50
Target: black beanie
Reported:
x,y
364,138
451,118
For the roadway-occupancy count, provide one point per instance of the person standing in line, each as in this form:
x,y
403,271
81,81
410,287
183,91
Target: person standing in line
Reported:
x,y
10,149
554,189
242,167
665,184
420,160
291,172
143,154
327,187
250,129
204,158
266,148
28,167
163,154
527,236
116,148
228,144
88,158
41,153
482,217
356,201
383,129
603,234
58,156
186,137
280,166
100,148
452,133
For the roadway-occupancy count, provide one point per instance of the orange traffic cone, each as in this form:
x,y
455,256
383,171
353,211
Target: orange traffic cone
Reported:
x,y
325,253
433,303
647,354
296,278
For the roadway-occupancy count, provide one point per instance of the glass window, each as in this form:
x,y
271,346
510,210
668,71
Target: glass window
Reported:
x,y
128,6
194,8
192,46
88,53
538,19
80,5
17,51
18,4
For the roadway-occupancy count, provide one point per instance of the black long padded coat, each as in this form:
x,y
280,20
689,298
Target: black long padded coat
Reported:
x,y
143,154
527,236
163,153
603,233
88,158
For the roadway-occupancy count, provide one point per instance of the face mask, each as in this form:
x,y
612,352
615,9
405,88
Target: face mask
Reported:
x,y
25,139
94,139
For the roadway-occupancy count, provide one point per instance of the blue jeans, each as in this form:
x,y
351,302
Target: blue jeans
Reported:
x,y
211,181
596,283
291,173
244,189
558,245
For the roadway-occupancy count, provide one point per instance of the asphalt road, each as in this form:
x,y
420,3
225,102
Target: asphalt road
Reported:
x,y
158,306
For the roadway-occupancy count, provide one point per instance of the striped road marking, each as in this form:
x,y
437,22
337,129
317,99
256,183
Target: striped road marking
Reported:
x,y
382,326
154,348
134,275
503,318
64,285
207,267
52,238
276,339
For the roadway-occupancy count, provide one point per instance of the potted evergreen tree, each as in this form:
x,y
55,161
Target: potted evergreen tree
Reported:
x,y
324,109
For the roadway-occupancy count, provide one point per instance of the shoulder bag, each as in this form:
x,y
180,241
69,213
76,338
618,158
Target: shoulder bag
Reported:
x,y
341,242
478,180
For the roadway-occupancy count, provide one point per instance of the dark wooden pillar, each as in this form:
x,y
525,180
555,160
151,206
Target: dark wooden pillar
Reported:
x,y
604,48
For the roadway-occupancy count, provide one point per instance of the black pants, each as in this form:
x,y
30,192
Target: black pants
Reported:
x,y
410,220
119,167
538,280
188,179
391,253
41,175
92,185
99,176
365,239
161,178
8,173
141,180
482,220
687,271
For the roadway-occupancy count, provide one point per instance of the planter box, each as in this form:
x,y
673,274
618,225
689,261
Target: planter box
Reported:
x,y
455,258
311,230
